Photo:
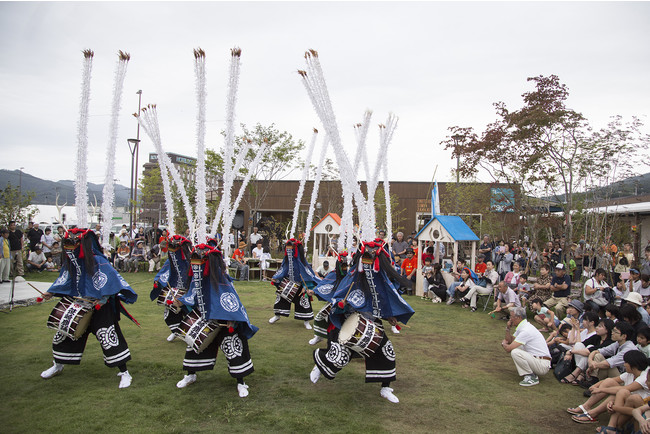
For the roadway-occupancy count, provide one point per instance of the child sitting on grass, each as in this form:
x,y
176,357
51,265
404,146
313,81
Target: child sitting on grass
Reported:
x,y
560,336
523,289
544,316
642,340
49,264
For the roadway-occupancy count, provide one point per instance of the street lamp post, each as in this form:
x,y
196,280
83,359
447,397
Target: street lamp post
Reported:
x,y
133,147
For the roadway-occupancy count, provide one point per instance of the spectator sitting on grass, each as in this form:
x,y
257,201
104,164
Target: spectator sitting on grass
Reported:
x,y
581,350
593,291
559,336
123,252
613,312
561,287
137,256
410,266
526,347
437,290
630,313
36,260
490,277
507,301
607,362
324,269
643,341
544,316
523,289
49,265
635,363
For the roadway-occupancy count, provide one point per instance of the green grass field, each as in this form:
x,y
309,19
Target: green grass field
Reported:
x,y
452,376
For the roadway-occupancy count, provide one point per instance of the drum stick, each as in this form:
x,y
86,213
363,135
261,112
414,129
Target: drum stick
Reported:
x,y
38,290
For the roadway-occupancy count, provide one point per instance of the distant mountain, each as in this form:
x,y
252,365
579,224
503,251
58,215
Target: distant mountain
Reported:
x,y
46,190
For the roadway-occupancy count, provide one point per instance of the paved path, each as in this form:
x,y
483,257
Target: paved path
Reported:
x,y
23,293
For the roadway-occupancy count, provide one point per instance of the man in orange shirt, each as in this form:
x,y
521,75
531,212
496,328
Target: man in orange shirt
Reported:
x,y
410,267
239,262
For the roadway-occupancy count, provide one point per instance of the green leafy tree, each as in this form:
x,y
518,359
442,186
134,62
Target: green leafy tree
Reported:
x,y
16,205
545,147
281,157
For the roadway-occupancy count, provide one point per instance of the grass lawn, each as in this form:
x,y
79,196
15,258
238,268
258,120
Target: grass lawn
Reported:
x,y
452,376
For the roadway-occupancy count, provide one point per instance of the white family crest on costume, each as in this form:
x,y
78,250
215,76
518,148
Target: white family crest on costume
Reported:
x,y
63,278
58,338
325,289
356,298
124,283
229,302
99,280
165,276
277,298
388,351
107,337
304,301
232,346
338,355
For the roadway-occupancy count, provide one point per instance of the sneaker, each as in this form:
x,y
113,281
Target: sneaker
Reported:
x,y
126,379
451,300
529,380
242,389
54,370
6,281
171,337
387,392
307,325
274,319
315,340
436,300
314,375
394,330
474,309
186,381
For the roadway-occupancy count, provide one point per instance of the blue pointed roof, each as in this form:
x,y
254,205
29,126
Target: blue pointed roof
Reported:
x,y
456,227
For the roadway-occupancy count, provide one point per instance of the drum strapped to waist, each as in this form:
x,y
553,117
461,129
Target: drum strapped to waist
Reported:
x,y
288,289
360,334
71,317
169,294
197,332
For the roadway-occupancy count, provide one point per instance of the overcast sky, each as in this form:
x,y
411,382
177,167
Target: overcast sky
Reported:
x,y
433,64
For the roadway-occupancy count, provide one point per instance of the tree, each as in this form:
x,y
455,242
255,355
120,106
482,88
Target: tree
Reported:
x,y
151,195
545,147
16,205
281,157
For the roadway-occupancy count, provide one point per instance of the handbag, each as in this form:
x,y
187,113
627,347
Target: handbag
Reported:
x,y
563,368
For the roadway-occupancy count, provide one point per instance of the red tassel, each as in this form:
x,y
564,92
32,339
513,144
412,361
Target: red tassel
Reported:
x,y
206,269
341,304
398,327
155,285
376,264
330,327
98,306
169,302
81,251
231,329
39,299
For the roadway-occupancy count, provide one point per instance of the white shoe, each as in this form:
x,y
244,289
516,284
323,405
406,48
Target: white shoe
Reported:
x,y
242,389
315,340
186,381
314,375
387,392
54,370
274,319
394,329
171,337
307,325
20,279
126,379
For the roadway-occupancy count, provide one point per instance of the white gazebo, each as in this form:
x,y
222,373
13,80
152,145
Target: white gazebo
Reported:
x,y
327,228
446,229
